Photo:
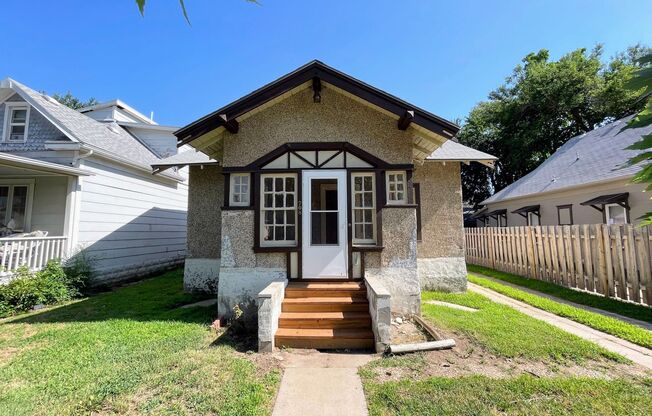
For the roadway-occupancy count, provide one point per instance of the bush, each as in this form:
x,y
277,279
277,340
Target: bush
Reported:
x,y
52,284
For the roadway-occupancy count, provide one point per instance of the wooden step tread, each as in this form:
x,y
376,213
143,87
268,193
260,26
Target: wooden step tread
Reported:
x,y
324,333
326,300
326,286
325,315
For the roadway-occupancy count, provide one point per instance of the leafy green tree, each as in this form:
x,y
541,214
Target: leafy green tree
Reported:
x,y
642,82
141,7
541,105
73,102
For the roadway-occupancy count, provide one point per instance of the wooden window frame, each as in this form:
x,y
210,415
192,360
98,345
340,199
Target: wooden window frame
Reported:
x,y
247,194
606,208
352,191
569,207
402,201
10,107
261,209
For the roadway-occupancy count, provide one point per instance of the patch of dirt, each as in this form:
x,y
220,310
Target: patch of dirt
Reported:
x,y
406,331
470,358
6,354
18,331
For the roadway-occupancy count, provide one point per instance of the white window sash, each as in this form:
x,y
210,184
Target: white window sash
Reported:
x,y
390,201
608,208
261,225
244,196
10,107
373,207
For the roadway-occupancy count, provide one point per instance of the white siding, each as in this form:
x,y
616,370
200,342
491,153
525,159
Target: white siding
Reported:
x,y
130,223
163,143
49,205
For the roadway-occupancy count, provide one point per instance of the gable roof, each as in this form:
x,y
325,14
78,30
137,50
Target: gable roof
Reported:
x,y
323,73
595,156
108,139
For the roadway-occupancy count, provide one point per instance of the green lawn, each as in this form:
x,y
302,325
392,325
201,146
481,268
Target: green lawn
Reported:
x,y
611,305
506,333
128,351
613,326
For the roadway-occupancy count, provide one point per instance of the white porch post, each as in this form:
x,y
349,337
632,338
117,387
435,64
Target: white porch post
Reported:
x,y
71,222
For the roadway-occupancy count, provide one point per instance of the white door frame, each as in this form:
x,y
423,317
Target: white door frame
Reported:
x,y
324,261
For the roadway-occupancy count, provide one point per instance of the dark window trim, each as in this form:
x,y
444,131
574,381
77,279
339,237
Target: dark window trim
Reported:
x,y
559,208
417,202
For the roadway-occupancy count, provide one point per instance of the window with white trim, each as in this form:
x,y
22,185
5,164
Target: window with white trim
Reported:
x,y
363,195
239,190
615,214
278,209
14,208
396,187
16,122
532,219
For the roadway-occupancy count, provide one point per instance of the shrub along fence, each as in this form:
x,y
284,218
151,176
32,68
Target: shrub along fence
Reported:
x,y
612,260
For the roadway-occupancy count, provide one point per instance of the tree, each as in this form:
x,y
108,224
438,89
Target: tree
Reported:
x,y
141,7
642,81
73,102
539,107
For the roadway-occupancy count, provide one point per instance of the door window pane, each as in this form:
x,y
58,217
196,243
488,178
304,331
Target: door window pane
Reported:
x,y
324,217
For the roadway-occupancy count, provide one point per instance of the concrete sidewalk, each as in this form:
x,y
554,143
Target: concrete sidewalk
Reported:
x,y
642,324
639,355
321,384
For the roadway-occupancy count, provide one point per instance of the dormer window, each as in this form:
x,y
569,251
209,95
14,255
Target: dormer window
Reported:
x,y
16,122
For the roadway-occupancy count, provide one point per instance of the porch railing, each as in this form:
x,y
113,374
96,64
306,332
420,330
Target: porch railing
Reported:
x,y
33,252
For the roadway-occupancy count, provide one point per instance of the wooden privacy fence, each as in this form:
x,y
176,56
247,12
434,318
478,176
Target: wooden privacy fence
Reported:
x,y
613,260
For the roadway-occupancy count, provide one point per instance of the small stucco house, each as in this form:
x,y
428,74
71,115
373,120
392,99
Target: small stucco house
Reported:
x,y
332,185
81,181
586,181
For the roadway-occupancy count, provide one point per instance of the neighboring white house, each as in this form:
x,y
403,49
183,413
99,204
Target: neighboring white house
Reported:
x,y
83,179
586,181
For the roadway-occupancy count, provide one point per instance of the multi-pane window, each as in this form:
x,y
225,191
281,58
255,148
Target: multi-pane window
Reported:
x,y
278,210
363,196
239,189
396,188
16,125
13,207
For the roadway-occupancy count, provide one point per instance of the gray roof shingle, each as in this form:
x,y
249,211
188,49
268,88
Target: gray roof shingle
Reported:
x,y
108,137
452,150
591,157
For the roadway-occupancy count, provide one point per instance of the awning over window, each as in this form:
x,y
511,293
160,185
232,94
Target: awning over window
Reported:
x,y
497,213
602,200
523,211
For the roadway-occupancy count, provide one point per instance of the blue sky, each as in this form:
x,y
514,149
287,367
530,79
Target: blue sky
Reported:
x,y
442,56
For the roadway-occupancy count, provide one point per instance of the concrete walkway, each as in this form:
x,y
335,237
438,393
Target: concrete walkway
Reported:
x,y
642,324
639,355
321,384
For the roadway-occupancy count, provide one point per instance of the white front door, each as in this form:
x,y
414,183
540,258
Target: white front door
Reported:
x,y
323,224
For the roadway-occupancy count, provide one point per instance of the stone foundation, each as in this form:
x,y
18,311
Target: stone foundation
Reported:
x,y
446,274
201,275
240,286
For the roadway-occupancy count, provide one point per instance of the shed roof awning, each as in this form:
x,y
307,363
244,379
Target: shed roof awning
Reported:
x,y
598,202
526,209
497,212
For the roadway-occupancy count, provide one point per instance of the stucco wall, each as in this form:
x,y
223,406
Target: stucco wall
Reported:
x,y
337,118
638,200
441,263
204,228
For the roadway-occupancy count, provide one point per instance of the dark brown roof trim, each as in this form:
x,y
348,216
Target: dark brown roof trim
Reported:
x,y
325,73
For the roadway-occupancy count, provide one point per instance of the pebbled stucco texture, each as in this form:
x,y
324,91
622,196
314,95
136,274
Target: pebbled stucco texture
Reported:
x,y
337,118
441,252
201,271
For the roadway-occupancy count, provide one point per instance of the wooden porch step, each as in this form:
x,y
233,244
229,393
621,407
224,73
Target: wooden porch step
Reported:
x,y
325,289
356,338
325,304
325,320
